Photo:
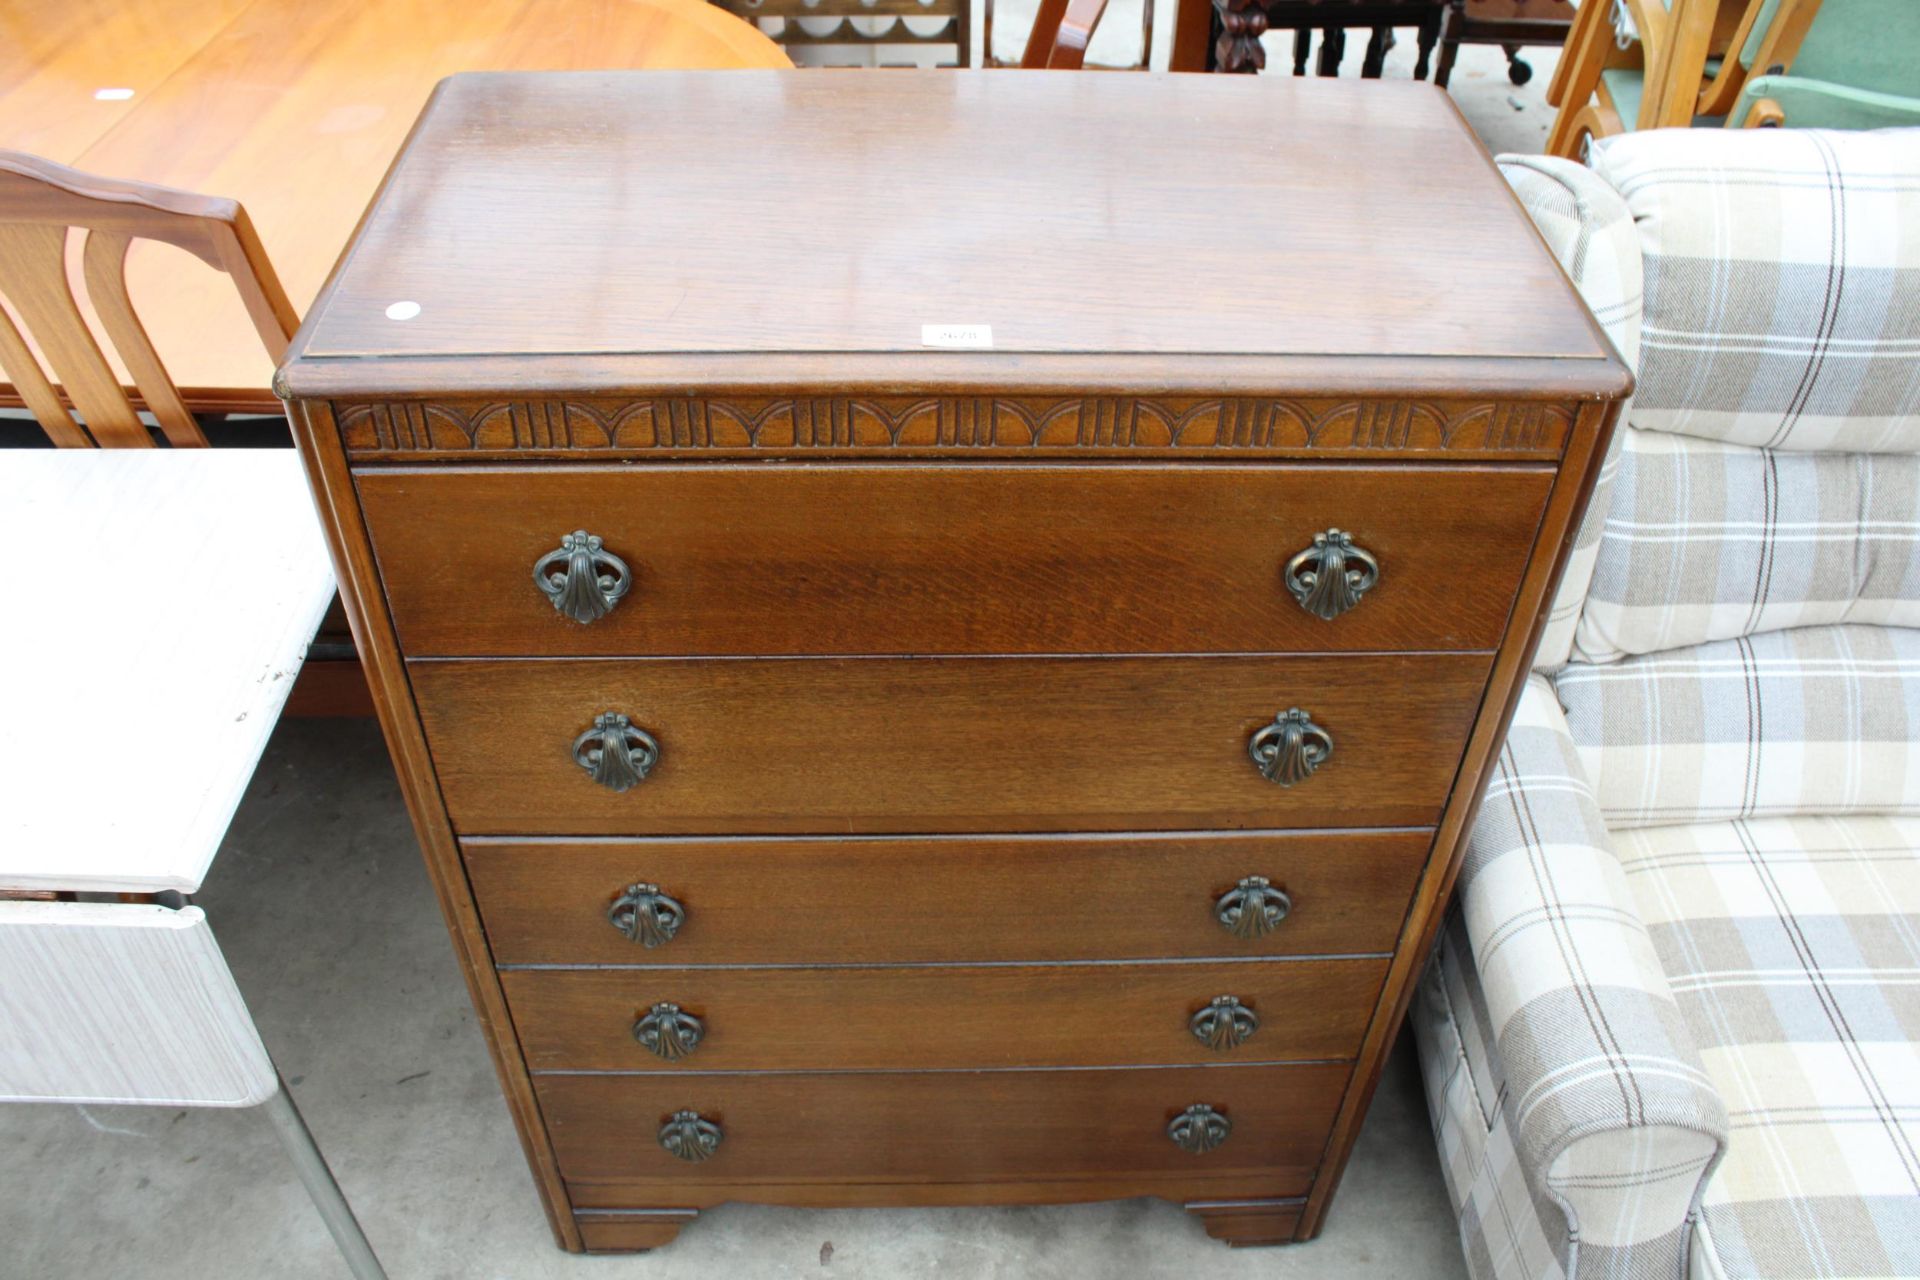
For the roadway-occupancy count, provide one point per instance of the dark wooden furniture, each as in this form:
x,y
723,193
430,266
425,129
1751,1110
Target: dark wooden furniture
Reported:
x,y
1224,35
1511,24
858,770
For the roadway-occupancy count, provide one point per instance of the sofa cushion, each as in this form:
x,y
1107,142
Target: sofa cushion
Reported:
x,y
1782,279
1707,541
1820,720
1793,948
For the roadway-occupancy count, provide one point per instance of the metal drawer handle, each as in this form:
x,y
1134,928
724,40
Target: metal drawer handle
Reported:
x,y
582,578
1252,908
617,753
668,1032
1329,577
1199,1129
646,916
690,1136
1291,748
1224,1024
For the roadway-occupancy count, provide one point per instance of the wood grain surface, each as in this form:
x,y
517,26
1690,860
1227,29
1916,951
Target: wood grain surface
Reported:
x,y
294,108
944,898
828,1019
650,254
945,744
940,1126
809,559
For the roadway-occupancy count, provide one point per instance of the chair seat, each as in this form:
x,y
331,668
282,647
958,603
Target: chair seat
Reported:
x,y
174,594
1624,88
1793,948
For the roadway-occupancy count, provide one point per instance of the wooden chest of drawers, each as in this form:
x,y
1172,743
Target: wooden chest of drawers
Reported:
x,y
858,770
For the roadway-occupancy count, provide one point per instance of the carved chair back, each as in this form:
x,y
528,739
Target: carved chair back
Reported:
x,y
42,206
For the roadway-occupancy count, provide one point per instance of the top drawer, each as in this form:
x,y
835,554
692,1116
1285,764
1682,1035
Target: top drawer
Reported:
x,y
808,559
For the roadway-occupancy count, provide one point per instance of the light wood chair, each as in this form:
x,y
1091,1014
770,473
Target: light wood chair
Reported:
x,y
1852,65
78,397
1607,83
1691,59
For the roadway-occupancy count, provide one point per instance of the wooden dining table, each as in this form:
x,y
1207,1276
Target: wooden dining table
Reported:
x,y
294,108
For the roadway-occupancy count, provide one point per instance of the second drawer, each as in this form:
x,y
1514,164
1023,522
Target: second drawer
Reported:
x,y
947,744
980,1016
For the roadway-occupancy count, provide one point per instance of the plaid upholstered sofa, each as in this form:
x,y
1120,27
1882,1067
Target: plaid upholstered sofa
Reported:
x,y
1670,1028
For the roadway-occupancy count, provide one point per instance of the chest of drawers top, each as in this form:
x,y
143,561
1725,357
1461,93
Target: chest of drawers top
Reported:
x,y
772,262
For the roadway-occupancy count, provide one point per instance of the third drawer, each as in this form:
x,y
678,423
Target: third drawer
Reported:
x,y
948,899
975,1016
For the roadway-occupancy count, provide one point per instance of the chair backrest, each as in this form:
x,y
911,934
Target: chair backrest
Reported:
x,y
1061,31
1852,66
41,205
1747,593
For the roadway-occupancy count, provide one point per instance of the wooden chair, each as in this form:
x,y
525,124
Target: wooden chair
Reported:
x,y
1061,31
1852,67
1696,62
41,203
1511,24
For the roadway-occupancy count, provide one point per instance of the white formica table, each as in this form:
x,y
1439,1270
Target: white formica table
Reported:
x,y
158,603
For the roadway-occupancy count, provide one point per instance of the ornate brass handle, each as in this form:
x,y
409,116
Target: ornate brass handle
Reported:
x,y
1329,577
616,752
1199,1129
582,578
646,916
1252,908
1291,748
1224,1024
690,1136
666,1031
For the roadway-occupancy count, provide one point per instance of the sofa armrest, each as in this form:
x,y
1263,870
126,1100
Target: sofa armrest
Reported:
x,y
1614,1119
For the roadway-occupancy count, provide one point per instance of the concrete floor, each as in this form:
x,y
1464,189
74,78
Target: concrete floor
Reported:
x,y
323,908
322,905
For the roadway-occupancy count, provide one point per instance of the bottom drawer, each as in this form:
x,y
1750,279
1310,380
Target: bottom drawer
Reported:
x,y
879,1128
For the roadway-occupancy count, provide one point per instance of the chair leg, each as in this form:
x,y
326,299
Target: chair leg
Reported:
x,y
1376,59
1519,70
1333,48
1302,42
1450,22
313,1171
1429,33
